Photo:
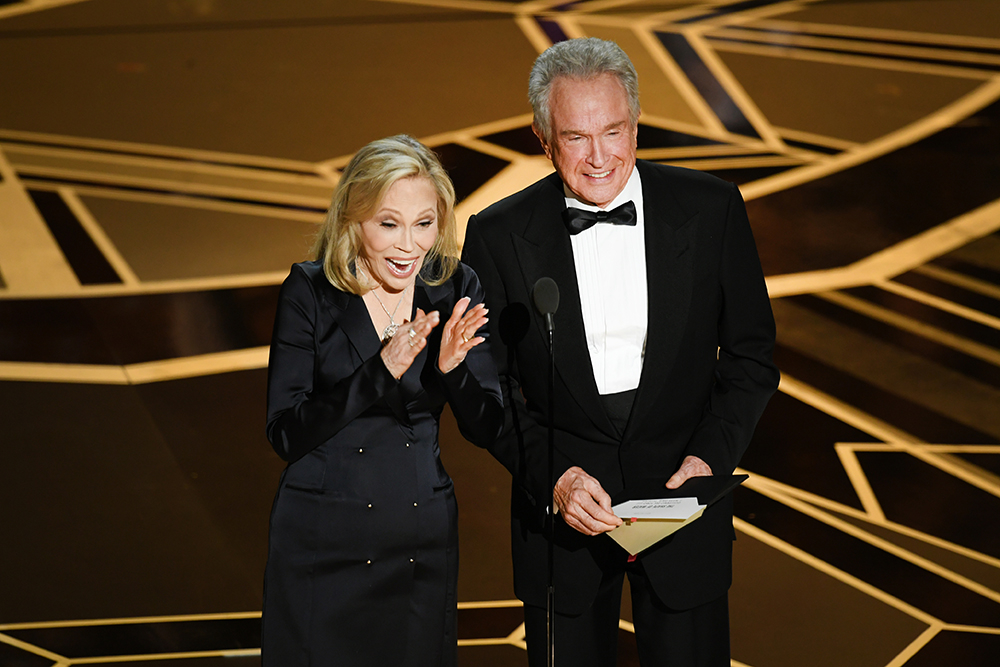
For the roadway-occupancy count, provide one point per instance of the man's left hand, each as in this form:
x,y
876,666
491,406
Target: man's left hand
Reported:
x,y
691,467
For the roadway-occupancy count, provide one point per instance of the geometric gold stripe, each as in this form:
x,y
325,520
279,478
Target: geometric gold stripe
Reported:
x,y
960,280
762,486
846,510
912,254
141,373
185,655
129,620
30,648
821,565
941,304
76,373
220,616
946,338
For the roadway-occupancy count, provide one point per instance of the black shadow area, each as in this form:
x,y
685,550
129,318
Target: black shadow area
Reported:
x,y
918,495
145,638
851,214
794,444
135,329
468,169
969,649
114,502
927,424
914,585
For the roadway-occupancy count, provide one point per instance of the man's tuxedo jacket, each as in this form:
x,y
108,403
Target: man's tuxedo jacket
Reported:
x,y
707,375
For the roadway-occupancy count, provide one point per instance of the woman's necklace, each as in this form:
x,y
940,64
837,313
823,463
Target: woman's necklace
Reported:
x,y
392,327
390,330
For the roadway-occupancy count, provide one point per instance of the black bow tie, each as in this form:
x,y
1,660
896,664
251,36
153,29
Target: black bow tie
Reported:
x,y
578,220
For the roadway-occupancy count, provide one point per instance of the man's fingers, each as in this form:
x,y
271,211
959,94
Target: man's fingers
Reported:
x,y
588,513
587,523
676,480
691,467
584,503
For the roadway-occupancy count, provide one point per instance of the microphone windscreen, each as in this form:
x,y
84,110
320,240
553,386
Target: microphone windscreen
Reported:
x,y
545,294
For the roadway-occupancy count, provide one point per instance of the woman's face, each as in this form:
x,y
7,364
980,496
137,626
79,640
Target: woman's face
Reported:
x,y
395,240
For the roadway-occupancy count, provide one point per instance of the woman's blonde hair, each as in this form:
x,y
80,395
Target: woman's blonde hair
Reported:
x,y
363,184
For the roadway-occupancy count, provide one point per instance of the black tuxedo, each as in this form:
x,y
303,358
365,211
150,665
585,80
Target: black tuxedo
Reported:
x,y
707,375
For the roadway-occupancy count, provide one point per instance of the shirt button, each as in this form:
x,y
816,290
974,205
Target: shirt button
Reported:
x,y
414,504
361,450
407,444
369,505
411,560
369,562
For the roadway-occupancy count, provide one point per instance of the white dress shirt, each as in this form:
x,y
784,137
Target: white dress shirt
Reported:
x,y
611,274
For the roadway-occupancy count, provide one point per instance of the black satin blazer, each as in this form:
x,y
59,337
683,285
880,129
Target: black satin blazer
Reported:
x,y
363,534
325,372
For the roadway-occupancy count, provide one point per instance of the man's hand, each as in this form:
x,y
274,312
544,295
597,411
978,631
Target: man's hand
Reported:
x,y
584,504
691,467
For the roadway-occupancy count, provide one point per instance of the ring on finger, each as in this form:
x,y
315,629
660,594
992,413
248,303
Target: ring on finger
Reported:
x,y
412,335
465,338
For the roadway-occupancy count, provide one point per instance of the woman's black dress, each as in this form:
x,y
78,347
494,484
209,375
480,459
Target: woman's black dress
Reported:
x,y
363,548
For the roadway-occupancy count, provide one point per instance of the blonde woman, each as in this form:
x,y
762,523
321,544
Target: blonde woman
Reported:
x,y
363,548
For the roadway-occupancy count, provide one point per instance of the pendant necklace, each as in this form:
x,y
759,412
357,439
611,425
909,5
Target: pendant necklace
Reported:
x,y
392,327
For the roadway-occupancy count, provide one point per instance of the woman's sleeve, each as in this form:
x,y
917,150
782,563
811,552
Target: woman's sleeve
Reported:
x,y
472,387
300,418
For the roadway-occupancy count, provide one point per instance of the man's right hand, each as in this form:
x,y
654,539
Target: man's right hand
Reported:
x,y
583,503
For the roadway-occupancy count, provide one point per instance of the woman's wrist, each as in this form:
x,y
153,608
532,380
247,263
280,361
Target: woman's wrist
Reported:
x,y
389,365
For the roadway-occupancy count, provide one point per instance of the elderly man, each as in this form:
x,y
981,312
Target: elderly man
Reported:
x,y
663,341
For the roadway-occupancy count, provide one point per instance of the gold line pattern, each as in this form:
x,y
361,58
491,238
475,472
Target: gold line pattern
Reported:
x,y
205,179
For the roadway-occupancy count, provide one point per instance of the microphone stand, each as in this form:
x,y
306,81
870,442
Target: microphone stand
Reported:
x,y
550,609
545,294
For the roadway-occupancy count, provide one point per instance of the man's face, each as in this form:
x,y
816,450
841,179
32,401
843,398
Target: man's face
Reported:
x,y
593,143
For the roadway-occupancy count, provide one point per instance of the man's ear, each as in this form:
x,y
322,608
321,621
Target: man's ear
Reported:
x,y
541,140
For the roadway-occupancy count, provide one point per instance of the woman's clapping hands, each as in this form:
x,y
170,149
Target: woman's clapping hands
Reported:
x,y
459,334
408,341
457,338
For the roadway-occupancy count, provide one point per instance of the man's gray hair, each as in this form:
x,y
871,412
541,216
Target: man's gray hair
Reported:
x,y
583,58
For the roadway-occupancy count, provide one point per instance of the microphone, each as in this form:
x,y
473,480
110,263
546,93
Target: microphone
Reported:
x,y
545,294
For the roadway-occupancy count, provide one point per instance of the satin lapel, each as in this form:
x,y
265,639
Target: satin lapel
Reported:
x,y
545,251
357,324
669,275
433,297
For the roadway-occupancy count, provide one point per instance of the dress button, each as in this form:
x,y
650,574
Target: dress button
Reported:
x,y
414,504
361,450
369,505
407,444
369,562
411,560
